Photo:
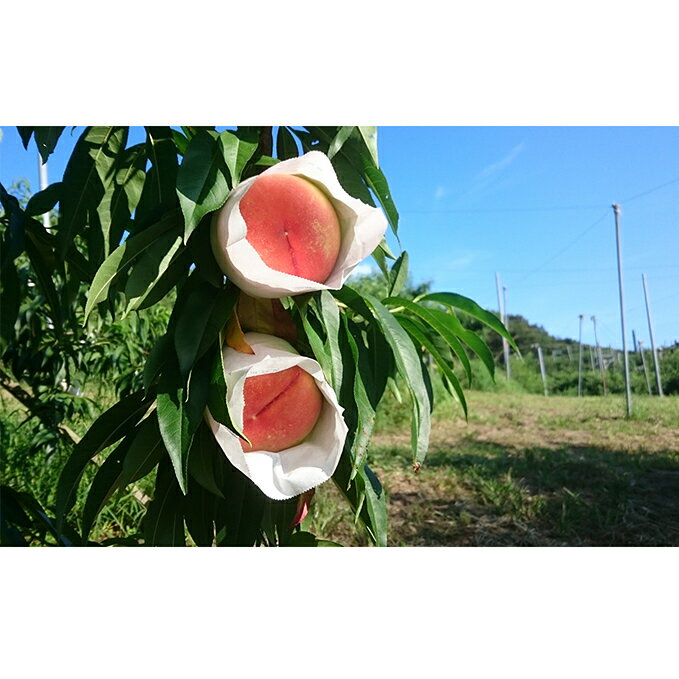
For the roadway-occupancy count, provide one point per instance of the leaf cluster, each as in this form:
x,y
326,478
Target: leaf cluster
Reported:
x,y
133,235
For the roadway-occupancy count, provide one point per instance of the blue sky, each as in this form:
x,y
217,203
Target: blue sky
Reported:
x,y
532,203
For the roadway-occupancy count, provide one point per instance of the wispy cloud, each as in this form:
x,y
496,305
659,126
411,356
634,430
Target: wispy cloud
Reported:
x,y
494,169
440,192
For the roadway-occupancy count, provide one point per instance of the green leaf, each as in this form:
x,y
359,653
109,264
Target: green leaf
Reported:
x,y
369,135
25,133
448,327
364,409
123,256
106,481
46,139
180,411
201,183
124,198
10,299
376,180
352,180
202,255
15,235
88,181
145,452
239,516
180,141
44,200
200,321
148,269
207,461
468,337
163,523
217,400
419,334
199,509
317,347
343,133
159,194
407,363
106,430
329,313
377,505
40,260
286,146
157,358
177,270
398,275
470,307
237,153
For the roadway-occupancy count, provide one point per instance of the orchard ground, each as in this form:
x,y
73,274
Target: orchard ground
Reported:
x,y
526,470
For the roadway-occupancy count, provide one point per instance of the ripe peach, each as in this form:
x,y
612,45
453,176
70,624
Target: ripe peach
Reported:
x,y
280,410
292,225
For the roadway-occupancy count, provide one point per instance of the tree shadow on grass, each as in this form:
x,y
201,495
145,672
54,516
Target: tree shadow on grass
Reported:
x,y
484,494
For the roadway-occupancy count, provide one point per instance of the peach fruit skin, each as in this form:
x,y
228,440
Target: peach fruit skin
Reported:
x,y
281,409
292,225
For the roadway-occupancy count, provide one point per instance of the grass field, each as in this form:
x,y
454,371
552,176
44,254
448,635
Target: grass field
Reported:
x,y
524,470
527,470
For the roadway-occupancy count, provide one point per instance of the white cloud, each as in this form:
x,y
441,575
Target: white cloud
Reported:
x,y
497,167
440,192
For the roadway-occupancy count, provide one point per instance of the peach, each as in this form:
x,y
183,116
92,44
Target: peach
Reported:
x,y
292,225
281,409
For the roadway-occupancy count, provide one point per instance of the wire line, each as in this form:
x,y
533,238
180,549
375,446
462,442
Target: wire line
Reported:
x,y
566,247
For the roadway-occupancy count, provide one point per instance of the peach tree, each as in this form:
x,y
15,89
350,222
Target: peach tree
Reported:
x,y
266,377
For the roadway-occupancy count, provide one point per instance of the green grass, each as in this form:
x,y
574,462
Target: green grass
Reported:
x,y
523,470
34,466
529,470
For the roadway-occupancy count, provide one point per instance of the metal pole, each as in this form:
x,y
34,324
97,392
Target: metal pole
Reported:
x,y
599,357
643,362
42,172
580,359
656,363
628,388
505,345
543,372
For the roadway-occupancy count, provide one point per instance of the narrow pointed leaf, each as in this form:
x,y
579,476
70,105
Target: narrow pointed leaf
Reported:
x,y
237,153
445,325
164,520
123,256
44,200
106,430
343,133
419,334
201,183
46,139
467,305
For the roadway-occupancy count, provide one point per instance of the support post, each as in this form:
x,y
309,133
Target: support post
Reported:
x,y
543,372
599,357
628,388
500,304
580,358
42,173
643,363
656,362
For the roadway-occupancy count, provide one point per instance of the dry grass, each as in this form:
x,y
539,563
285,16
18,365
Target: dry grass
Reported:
x,y
528,470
